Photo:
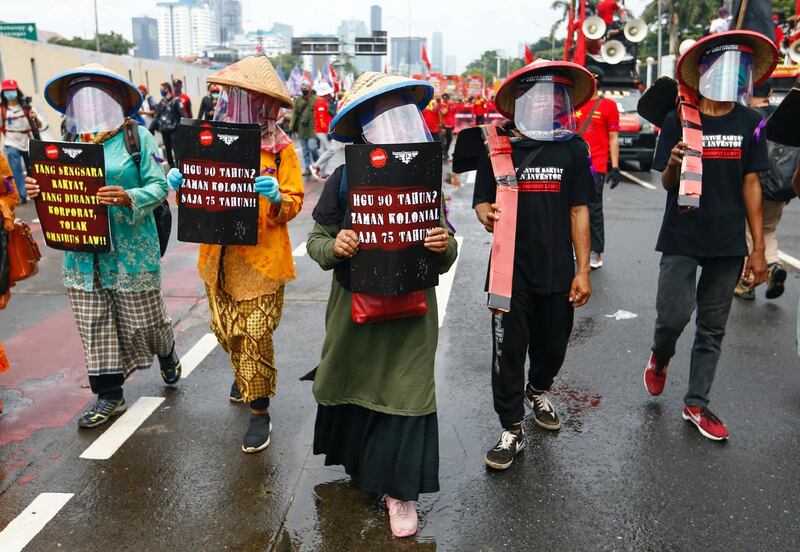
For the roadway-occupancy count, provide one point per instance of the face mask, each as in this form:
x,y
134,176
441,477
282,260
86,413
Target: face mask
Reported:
x,y
163,93
305,92
215,95
10,94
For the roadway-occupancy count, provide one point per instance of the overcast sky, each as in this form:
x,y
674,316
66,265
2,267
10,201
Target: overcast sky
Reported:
x,y
469,26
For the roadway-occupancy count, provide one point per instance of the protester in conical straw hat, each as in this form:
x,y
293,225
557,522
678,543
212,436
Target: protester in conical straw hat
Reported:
x,y
374,385
720,70
245,284
116,297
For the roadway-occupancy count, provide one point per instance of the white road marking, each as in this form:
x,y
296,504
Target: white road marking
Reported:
x,y
788,259
637,180
114,437
23,528
446,285
197,354
300,250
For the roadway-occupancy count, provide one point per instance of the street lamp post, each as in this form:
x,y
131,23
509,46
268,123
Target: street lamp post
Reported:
x,y
658,56
96,28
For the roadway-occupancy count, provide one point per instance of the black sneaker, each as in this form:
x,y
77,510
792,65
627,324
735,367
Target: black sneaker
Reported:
x,y
257,437
101,412
776,276
543,412
502,455
235,395
170,367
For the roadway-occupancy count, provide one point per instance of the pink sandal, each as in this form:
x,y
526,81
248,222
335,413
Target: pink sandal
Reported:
x,y
402,517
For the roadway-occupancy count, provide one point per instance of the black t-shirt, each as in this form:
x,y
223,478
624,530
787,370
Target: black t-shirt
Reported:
x,y
558,178
730,151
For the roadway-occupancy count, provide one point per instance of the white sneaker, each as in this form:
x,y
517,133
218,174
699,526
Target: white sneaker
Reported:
x,y
595,260
402,517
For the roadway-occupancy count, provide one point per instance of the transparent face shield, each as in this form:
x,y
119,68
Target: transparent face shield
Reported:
x,y
393,119
93,107
237,105
543,108
726,74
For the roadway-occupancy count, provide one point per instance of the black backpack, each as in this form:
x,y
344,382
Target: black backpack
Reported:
x,y
776,182
161,214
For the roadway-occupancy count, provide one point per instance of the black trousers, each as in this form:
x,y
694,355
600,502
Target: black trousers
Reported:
x,y
107,386
448,139
167,139
538,326
596,222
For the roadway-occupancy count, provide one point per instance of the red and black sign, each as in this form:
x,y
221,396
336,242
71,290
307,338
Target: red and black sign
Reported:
x,y
69,175
217,202
395,194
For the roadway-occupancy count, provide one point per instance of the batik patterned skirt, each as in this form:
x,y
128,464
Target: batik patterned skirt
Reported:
x,y
244,329
121,332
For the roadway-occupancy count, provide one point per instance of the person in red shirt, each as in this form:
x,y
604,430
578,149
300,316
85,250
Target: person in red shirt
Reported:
x,y
432,117
186,101
598,121
447,109
606,10
323,115
479,110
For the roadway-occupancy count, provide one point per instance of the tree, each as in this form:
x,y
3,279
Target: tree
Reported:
x,y
487,65
683,19
112,43
286,62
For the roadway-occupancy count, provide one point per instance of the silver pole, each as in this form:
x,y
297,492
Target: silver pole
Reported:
x,y
658,56
409,37
96,28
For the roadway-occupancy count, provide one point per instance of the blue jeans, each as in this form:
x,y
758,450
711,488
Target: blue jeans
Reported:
x,y
16,158
310,151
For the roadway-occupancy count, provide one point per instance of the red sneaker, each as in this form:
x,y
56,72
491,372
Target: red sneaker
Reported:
x,y
707,423
655,377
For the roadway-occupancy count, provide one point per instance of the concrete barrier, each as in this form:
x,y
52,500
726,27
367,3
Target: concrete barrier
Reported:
x,y
32,64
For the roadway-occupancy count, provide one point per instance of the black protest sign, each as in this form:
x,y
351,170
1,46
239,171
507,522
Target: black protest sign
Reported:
x,y
395,195
69,175
217,202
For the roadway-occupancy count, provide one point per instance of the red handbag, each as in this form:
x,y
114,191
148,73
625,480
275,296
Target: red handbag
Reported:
x,y
23,252
377,308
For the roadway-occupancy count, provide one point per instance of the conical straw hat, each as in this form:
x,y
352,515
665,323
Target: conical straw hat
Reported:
x,y
254,73
55,90
344,127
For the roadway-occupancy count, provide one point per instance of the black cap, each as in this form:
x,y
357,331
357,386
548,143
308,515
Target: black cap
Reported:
x,y
596,72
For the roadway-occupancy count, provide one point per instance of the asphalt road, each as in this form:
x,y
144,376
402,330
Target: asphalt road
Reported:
x,y
624,473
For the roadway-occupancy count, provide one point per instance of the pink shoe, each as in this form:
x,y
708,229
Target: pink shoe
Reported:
x,y
402,517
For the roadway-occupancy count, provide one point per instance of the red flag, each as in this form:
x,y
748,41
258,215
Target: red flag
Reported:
x,y
580,46
424,58
528,54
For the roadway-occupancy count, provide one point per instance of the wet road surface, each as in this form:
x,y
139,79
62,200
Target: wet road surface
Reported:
x,y
624,473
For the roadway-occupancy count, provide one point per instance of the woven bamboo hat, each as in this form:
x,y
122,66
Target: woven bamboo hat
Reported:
x,y
55,90
583,83
765,55
254,73
370,84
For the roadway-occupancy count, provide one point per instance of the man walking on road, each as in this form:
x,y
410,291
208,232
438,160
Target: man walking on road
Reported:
x,y
555,185
719,69
776,187
598,121
303,126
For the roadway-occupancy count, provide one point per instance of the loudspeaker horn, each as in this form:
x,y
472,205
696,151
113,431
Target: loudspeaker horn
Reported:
x,y
794,51
635,30
594,27
612,52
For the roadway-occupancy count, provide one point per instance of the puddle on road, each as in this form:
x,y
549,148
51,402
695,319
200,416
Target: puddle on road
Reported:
x,y
338,516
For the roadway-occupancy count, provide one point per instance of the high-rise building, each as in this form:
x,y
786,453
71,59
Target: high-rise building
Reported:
x,y
145,37
437,57
348,31
450,65
375,16
286,31
401,62
229,19
185,27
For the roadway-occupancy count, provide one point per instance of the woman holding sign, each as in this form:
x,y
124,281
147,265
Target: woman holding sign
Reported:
x,y
9,198
245,283
115,296
374,384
